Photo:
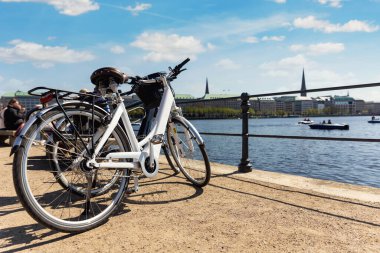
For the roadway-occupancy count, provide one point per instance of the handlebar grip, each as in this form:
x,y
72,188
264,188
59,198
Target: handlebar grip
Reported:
x,y
179,66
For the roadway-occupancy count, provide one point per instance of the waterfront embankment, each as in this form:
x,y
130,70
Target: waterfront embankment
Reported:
x,y
255,212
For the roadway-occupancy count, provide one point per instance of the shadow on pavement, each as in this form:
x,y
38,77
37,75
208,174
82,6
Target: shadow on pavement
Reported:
x,y
25,235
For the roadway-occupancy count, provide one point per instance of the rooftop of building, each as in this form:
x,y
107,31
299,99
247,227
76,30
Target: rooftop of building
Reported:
x,y
215,96
286,98
184,96
263,99
303,98
343,98
16,94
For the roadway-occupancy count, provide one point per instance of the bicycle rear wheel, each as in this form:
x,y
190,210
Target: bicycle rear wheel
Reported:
x,y
65,194
188,152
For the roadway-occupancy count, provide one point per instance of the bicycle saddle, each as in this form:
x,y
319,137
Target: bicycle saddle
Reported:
x,y
104,74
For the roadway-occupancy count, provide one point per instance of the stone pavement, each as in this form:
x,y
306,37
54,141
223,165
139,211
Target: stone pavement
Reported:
x,y
255,212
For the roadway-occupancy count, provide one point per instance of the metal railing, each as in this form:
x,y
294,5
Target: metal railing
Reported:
x,y
245,164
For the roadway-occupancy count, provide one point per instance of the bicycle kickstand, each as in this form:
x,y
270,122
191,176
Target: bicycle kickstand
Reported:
x,y
135,187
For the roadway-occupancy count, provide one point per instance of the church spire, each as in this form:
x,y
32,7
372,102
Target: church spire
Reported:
x,y
207,91
303,86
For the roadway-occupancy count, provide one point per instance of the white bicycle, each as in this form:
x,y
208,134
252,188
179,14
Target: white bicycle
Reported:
x,y
77,178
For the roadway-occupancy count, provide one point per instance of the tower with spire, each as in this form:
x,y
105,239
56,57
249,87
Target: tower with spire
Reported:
x,y
303,86
207,91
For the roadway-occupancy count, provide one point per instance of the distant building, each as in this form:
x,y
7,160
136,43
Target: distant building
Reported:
x,y
322,102
302,105
208,99
265,105
23,97
285,104
372,108
360,106
344,104
295,105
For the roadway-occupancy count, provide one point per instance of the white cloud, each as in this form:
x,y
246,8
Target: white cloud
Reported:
x,y
171,47
320,77
138,8
279,1
117,49
251,40
66,7
297,47
297,60
1,78
227,64
234,28
210,46
285,66
332,3
318,49
273,38
40,55
311,22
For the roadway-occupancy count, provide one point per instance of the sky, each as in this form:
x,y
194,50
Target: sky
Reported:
x,y
254,46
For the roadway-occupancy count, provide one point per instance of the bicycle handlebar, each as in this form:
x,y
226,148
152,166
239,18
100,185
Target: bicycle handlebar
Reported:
x,y
179,66
153,78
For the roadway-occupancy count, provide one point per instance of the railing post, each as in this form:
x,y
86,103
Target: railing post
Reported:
x,y
245,164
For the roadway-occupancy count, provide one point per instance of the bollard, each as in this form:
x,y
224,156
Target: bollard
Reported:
x,y
245,165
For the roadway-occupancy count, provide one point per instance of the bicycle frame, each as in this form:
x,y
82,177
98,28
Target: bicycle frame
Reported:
x,y
148,147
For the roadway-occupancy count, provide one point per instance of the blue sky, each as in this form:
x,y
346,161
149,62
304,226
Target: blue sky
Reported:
x,y
252,46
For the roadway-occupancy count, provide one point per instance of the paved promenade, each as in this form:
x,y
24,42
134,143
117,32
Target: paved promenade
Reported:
x,y
254,212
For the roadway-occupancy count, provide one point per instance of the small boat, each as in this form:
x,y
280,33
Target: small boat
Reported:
x,y
330,126
374,120
306,122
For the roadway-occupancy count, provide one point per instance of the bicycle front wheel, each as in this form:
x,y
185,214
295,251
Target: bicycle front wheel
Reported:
x,y
188,152
52,180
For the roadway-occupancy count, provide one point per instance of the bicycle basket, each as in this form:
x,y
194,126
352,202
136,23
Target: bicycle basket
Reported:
x,y
150,95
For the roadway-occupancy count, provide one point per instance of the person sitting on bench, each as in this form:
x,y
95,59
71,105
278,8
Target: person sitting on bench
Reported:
x,y
13,119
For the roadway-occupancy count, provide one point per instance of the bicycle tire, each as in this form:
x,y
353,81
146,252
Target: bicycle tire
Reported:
x,y
42,195
183,143
168,156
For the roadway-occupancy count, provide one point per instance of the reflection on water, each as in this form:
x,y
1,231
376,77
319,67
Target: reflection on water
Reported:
x,y
350,162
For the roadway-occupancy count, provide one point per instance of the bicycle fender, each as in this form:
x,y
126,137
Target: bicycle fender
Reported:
x,y
31,121
191,129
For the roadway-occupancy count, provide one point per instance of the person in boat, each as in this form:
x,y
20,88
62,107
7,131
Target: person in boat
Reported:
x,y
323,122
373,117
329,122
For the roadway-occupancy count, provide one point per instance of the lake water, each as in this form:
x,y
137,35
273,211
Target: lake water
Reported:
x,y
349,162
